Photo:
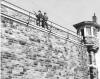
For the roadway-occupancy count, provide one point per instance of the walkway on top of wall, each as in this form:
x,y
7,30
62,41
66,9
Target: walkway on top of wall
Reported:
x,y
23,16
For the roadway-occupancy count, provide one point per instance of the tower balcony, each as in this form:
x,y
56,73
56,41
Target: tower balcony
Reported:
x,y
92,43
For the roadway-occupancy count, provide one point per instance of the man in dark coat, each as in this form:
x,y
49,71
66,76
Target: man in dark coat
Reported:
x,y
39,18
44,21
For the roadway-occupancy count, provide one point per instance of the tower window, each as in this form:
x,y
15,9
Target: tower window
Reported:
x,y
88,30
94,31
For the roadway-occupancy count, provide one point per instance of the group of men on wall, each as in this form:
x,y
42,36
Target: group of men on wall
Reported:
x,y
41,19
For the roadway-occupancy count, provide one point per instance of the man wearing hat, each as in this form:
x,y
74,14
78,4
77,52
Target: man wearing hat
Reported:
x,y
39,18
44,20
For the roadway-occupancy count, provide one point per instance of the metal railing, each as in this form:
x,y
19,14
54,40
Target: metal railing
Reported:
x,y
14,11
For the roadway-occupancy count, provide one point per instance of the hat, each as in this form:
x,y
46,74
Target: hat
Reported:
x,y
39,11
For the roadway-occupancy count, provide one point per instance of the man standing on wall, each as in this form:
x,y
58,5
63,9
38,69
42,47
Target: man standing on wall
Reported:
x,y
44,21
39,18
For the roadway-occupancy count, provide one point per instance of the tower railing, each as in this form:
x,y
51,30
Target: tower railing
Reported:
x,y
13,11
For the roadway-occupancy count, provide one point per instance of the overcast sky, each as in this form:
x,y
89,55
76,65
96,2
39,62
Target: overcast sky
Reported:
x,y
65,12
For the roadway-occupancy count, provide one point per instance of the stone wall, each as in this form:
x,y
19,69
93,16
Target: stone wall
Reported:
x,y
28,53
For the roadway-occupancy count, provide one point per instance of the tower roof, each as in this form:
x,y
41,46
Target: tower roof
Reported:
x,y
87,23
92,23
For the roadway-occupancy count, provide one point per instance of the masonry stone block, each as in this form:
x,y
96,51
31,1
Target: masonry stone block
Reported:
x,y
29,53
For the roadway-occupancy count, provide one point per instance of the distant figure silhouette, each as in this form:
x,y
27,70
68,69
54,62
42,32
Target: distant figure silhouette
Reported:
x,y
44,21
39,18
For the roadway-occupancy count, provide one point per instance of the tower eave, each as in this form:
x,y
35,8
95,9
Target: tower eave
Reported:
x,y
87,23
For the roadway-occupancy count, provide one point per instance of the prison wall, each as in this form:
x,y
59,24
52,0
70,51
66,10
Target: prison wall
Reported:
x,y
31,52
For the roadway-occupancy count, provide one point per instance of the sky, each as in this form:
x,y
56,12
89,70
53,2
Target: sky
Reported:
x,y
65,12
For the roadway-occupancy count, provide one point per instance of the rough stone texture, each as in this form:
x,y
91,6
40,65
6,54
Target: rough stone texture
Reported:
x,y
23,16
28,53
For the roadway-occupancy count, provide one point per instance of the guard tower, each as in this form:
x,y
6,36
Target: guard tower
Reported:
x,y
88,30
